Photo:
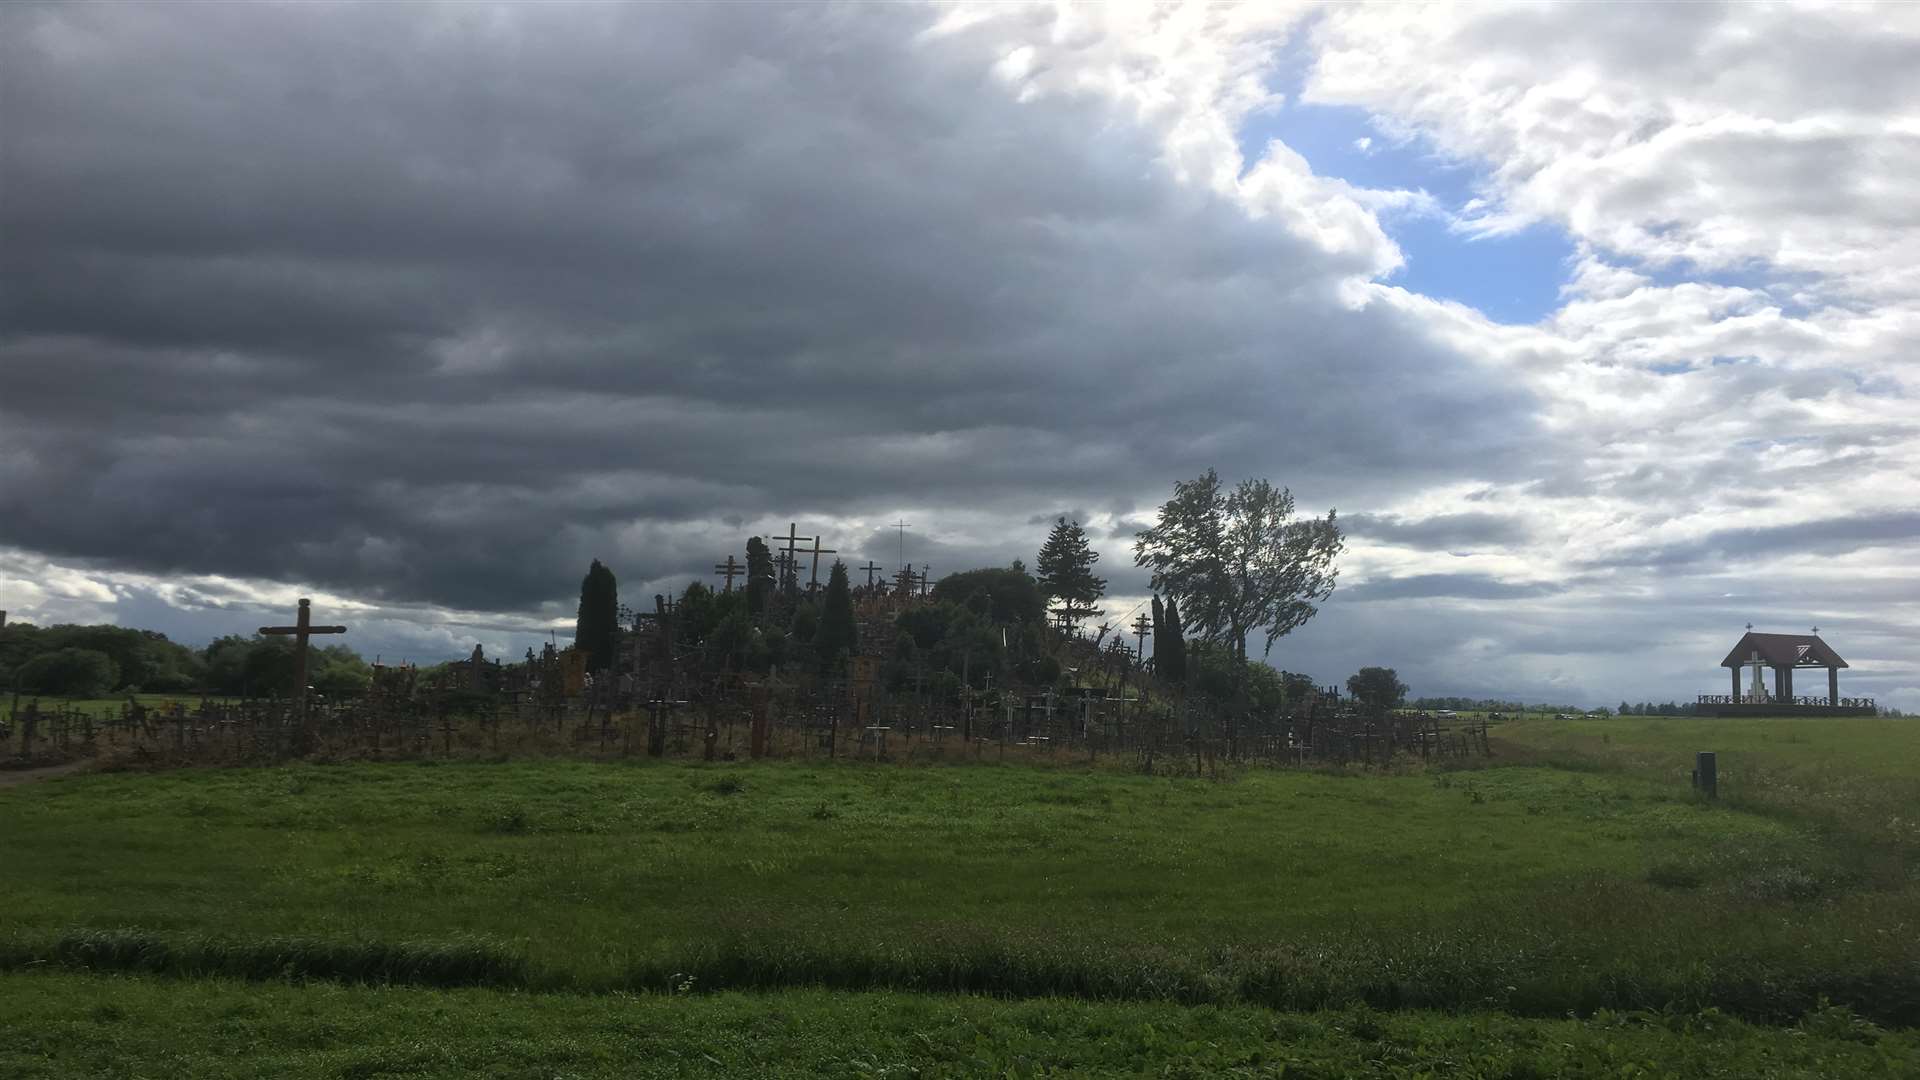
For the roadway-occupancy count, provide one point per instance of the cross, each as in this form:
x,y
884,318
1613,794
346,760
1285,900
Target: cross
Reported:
x,y
1140,628
301,629
793,547
1816,629
813,582
871,568
902,527
1749,628
728,570
923,580
903,580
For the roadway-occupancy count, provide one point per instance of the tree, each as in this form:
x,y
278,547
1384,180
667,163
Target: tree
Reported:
x,y
1170,651
837,635
1065,570
759,575
1377,687
598,617
69,672
338,672
1014,595
1238,561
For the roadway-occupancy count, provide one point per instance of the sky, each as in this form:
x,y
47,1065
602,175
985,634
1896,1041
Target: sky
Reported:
x,y
1595,323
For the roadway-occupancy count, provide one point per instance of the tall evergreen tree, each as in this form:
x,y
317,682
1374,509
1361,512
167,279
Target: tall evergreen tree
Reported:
x,y
599,614
1172,661
1065,570
837,635
759,575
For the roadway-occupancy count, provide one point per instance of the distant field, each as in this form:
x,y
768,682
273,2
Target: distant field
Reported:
x,y
62,1026
105,706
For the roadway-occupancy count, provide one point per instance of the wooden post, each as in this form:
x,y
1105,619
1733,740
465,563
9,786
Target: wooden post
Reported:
x,y
760,697
1833,686
1706,775
1736,684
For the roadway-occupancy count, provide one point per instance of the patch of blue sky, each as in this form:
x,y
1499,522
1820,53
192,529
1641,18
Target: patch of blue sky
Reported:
x,y
1512,278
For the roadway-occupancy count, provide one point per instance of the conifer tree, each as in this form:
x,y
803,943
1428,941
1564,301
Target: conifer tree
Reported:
x,y
594,625
1172,660
759,575
837,635
1065,570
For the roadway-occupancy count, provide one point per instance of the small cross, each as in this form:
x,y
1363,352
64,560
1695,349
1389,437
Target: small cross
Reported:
x,y
1749,628
1816,629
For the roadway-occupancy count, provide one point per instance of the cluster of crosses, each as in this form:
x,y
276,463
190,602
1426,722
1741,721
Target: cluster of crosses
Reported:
x,y
906,581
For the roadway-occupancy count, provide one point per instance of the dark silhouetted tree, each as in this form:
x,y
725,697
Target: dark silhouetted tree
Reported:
x,y
837,635
1170,651
759,575
599,614
1378,687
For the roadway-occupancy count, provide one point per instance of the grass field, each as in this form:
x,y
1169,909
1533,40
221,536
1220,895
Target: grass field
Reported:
x,y
78,1026
1578,875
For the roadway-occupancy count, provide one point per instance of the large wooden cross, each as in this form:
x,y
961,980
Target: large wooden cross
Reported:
x,y
813,582
1142,626
302,629
872,568
792,550
728,570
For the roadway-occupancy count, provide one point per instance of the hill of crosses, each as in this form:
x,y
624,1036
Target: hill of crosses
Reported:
x,y
787,654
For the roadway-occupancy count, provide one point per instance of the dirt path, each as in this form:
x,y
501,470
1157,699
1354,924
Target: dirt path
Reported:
x,y
12,777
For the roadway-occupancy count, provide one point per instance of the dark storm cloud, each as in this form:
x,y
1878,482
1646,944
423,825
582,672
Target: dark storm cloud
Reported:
x,y
1733,547
1441,532
436,303
1455,586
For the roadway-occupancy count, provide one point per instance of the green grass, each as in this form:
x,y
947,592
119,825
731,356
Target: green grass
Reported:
x,y
1538,890
60,1025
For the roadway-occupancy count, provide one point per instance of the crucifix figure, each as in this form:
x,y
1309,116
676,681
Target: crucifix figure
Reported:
x,y
871,568
729,570
813,581
301,629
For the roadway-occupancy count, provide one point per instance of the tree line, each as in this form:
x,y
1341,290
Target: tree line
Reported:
x,y
94,661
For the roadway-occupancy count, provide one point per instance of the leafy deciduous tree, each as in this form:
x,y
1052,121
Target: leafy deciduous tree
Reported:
x,y
1238,561
1378,687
